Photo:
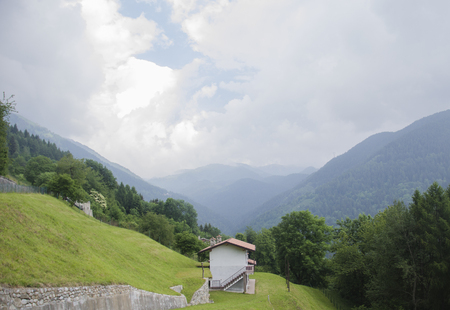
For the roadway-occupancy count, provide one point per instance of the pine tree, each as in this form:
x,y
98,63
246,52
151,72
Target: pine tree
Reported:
x,y
13,146
14,129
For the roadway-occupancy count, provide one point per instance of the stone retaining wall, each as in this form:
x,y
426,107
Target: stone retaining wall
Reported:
x,y
201,296
4,180
111,297
99,297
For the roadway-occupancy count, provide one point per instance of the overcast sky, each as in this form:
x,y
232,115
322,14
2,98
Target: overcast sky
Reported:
x,y
163,85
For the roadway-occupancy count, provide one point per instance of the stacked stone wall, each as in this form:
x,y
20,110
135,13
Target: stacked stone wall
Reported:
x,y
111,297
4,180
201,296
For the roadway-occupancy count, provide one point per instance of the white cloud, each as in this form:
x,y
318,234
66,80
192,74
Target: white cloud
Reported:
x,y
116,37
206,92
138,81
312,79
322,77
48,63
147,1
130,83
282,81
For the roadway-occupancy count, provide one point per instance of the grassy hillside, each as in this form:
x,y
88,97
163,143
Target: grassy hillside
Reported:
x,y
45,242
300,297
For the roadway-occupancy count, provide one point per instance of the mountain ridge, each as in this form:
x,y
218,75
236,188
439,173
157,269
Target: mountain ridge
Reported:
x,y
422,143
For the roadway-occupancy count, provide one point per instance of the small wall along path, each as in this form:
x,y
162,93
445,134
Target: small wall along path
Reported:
x,y
111,297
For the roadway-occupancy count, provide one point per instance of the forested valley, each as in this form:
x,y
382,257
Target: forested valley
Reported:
x,y
396,259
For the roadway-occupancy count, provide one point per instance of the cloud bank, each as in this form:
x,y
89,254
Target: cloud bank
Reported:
x,y
285,82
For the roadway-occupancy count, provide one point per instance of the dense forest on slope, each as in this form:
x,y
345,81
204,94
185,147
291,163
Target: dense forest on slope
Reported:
x,y
397,259
26,145
383,168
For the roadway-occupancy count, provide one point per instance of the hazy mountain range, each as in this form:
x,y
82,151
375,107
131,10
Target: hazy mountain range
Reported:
x,y
385,167
220,189
233,190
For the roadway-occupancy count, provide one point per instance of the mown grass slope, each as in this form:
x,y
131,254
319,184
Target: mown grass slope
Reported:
x,y
46,242
271,293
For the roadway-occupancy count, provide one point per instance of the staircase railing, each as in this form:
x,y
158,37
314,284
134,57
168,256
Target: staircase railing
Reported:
x,y
219,284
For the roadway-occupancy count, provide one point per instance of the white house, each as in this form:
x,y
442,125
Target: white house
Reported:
x,y
229,265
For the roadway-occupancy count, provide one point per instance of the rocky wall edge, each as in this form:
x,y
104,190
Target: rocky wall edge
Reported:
x,y
111,297
201,296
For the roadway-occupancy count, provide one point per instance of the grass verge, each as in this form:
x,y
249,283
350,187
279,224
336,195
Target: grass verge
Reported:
x,y
271,293
45,242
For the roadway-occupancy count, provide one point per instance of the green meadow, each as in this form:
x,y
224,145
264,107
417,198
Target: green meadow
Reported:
x,y
46,242
271,293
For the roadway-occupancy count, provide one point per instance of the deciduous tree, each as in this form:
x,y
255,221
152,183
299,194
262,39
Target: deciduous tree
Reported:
x,y
303,239
75,168
350,261
37,165
187,243
265,251
157,227
240,236
63,184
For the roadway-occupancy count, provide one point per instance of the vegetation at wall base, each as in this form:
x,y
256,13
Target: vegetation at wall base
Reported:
x,y
46,242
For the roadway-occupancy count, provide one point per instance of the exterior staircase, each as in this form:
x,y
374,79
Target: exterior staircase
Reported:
x,y
233,279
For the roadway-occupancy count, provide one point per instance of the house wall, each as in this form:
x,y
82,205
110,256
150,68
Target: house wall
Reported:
x,y
86,207
225,260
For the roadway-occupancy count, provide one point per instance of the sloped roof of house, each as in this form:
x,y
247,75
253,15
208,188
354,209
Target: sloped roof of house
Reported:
x,y
236,242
